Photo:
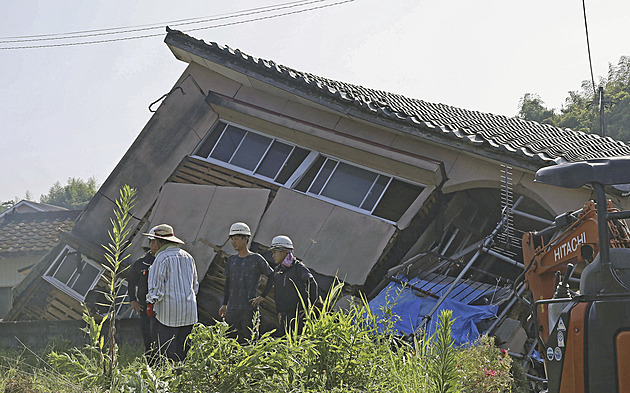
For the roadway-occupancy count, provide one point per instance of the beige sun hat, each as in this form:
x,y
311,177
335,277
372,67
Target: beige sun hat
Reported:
x,y
164,232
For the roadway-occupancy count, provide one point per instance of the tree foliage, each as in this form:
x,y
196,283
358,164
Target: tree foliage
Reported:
x,y
532,107
580,111
74,195
4,206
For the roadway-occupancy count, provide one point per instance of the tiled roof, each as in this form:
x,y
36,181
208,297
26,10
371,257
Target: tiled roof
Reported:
x,y
24,206
34,232
539,144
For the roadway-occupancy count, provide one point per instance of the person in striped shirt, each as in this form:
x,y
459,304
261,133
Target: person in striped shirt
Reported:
x,y
172,296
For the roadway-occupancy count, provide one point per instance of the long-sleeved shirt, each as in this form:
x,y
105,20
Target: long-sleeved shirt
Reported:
x,y
173,286
241,280
138,279
290,284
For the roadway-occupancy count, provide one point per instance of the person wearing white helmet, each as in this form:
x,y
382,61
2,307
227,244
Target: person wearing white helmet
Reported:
x,y
242,274
294,285
172,292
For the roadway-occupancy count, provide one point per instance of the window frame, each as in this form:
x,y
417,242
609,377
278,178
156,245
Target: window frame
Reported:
x,y
49,274
341,203
124,309
301,170
245,171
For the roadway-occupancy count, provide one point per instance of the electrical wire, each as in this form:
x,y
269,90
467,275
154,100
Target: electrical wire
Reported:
x,y
177,22
187,30
588,47
134,29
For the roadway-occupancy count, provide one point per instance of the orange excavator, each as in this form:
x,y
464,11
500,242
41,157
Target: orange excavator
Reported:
x,y
572,241
583,324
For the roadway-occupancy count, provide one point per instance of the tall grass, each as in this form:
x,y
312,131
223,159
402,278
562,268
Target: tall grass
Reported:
x,y
338,351
114,268
95,364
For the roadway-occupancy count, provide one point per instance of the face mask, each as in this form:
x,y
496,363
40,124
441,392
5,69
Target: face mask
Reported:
x,y
288,260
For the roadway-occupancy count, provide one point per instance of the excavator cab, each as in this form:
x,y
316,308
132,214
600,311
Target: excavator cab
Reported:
x,y
588,346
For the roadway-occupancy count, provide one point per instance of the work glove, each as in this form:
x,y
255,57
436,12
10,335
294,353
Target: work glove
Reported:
x,y
150,311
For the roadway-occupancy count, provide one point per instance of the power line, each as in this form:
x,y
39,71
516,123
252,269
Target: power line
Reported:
x,y
177,22
247,12
588,47
598,98
133,29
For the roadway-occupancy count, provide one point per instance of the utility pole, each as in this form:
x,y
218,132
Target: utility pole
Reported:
x,y
602,121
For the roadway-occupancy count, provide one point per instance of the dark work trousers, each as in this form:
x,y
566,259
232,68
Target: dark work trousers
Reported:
x,y
172,340
241,324
145,327
286,323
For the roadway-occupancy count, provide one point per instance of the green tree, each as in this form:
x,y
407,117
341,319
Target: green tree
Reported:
x,y
4,206
531,107
580,111
74,195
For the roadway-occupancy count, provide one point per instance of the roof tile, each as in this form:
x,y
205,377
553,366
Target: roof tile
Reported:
x,y
541,143
32,232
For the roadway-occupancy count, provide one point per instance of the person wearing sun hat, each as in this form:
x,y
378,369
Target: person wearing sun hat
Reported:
x,y
172,296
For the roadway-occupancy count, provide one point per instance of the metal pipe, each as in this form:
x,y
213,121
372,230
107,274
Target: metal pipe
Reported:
x,y
503,257
487,242
619,215
533,217
602,225
459,263
531,349
505,310
535,378
415,288
444,296
448,244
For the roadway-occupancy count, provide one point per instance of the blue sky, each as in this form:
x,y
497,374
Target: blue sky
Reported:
x,y
73,111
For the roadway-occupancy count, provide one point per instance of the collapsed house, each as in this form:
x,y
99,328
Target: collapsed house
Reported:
x,y
375,189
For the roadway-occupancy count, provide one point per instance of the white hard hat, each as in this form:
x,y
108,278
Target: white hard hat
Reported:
x,y
240,228
281,243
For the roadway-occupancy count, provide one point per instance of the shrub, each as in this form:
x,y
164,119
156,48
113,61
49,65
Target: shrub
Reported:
x,y
339,351
483,368
344,352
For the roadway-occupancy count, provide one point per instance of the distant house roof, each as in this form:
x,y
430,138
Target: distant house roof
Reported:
x,y
25,206
538,144
34,232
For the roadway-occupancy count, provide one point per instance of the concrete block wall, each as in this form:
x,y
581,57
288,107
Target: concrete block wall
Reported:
x,y
37,335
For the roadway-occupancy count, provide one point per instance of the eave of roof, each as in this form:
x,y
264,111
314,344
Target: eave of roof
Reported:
x,y
35,206
525,144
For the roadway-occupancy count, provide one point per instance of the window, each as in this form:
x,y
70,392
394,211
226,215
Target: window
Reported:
x,y
98,301
345,183
73,273
308,171
257,154
123,307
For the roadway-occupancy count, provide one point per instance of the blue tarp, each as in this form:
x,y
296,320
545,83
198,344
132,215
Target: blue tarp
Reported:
x,y
410,310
